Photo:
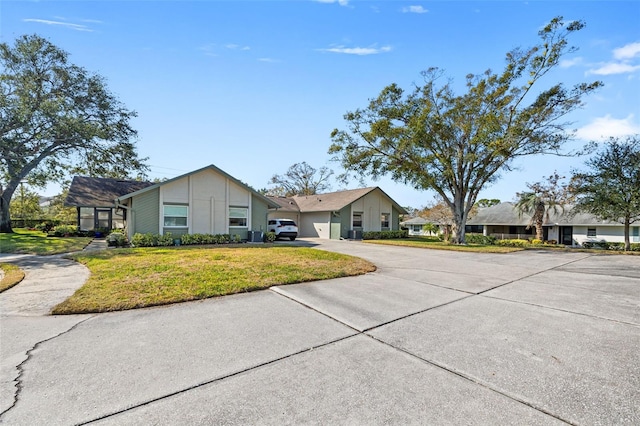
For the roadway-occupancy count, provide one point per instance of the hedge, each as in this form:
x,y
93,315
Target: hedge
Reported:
x,y
384,235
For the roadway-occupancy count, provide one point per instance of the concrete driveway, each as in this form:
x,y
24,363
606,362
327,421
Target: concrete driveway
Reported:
x,y
432,337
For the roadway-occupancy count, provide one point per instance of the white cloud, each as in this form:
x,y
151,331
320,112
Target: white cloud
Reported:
x,y
568,63
270,60
614,68
414,9
233,46
69,25
604,127
361,51
340,2
628,51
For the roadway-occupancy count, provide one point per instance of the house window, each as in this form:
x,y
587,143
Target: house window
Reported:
x,y
175,216
591,232
357,219
238,217
635,234
384,220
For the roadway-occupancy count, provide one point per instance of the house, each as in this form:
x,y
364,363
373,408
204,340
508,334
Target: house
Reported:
x,y
415,225
503,221
207,201
341,214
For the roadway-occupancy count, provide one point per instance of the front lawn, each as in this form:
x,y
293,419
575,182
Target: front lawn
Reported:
x,y
134,278
435,243
25,241
12,276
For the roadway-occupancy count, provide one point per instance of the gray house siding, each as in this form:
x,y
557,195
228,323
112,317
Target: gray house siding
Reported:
x,y
146,213
259,212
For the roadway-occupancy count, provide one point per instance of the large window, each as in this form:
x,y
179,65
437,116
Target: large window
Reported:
x,y
384,220
591,232
357,219
635,234
175,216
238,217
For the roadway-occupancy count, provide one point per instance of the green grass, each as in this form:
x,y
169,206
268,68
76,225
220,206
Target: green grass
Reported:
x,y
134,278
435,243
36,242
12,276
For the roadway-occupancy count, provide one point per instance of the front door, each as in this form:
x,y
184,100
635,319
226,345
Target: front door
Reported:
x,y
566,235
103,219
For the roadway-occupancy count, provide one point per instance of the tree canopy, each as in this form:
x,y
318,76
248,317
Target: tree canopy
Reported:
x,y
57,118
455,145
301,179
610,189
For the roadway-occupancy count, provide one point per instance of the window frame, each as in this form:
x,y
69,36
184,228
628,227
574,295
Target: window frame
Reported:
x,y
353,221
382,221
592,232
246,217
165,215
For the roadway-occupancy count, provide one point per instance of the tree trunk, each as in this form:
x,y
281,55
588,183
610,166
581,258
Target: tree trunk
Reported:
x,y
539,219
5,214
458,226
627,239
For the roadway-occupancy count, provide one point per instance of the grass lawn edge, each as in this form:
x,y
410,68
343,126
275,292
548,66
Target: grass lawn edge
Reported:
x,y
12,276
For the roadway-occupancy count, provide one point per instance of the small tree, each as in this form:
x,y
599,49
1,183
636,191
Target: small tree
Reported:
x,y
542,198
610,190
301,179
56,118
27,205
452,144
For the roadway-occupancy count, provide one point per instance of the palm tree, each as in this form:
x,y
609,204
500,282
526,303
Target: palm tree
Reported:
x,y
540,199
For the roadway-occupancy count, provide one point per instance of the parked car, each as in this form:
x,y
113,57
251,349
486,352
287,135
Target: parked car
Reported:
x,y
283,228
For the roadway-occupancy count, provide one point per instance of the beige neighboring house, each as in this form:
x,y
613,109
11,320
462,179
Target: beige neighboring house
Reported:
x,y
341,214
206,201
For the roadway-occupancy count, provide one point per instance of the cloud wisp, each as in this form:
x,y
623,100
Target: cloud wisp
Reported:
x,y
359,51
76,27
604,127
340,2
623,63
414,9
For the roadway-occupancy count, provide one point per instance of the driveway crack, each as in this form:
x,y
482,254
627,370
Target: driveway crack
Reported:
x,y
20,367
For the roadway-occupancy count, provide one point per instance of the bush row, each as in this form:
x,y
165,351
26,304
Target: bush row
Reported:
x,y
384,235
609,246
157,240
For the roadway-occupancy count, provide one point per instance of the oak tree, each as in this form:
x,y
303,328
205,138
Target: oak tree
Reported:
x,y
57,118
456,144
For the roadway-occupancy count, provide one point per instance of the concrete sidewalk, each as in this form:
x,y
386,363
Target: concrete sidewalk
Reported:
x,y
431,337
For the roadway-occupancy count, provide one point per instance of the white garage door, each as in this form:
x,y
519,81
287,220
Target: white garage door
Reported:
x,y
314,225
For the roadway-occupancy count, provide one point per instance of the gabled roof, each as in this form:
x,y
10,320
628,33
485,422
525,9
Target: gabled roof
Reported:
x,y
100,192
269,202
334,201
287,204
507,214
415,221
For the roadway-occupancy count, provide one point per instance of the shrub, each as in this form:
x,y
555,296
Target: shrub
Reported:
x,y
144,240
536,242
486,240
46,226
116,238
269,237
512,243
165,240
385,235
64,231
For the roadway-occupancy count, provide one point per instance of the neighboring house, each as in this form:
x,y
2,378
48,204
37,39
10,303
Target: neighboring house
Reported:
x,y
207,201
95,200
342,214
503,221
415,226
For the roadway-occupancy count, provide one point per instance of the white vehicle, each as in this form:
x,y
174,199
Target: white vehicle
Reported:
x,y
283,228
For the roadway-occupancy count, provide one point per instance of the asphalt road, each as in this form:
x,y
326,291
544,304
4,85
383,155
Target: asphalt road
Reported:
x,y
431,337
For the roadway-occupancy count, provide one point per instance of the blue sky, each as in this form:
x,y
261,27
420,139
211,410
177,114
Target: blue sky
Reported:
x,y
255,86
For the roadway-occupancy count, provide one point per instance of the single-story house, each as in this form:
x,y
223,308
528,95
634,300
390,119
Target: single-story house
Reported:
x,y
207,201
504,222
341,214
415,225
